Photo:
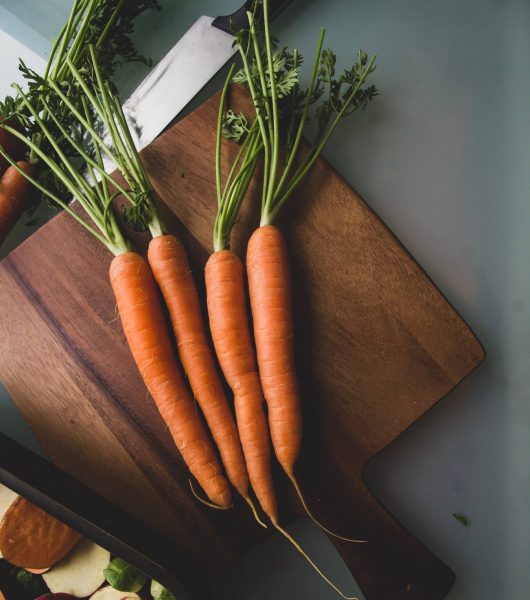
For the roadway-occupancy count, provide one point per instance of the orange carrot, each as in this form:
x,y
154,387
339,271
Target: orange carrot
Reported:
x,y
283,113
169,262
131,278
227,311
145,328
269,284
14,192
11,145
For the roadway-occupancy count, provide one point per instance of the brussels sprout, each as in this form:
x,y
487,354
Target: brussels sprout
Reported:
x,y
32,585
159,592
124,577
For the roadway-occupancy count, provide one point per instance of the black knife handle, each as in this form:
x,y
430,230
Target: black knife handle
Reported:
x,y
238,20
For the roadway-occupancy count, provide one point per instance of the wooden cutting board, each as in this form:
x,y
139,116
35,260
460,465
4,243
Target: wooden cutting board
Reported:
x,y
378,346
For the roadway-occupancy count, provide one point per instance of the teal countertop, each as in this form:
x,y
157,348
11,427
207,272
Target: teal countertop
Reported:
x,y
442,156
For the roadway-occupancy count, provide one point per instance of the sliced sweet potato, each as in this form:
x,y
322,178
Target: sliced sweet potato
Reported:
x,y
31,538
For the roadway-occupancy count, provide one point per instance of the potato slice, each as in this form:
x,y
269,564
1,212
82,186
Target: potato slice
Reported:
x,y
31,538
7,497
109,593
80,573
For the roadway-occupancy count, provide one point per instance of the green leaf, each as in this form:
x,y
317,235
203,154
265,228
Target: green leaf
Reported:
x,y
138,215
124,577
286,82
462,519
159,592
240,76
235,127
30,584
327,64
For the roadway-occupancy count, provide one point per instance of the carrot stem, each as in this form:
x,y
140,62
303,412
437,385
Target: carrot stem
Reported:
x,y
310,160
73,171
219,136
89,161
274,101
259,116
110,23
53,197
303,118
230,197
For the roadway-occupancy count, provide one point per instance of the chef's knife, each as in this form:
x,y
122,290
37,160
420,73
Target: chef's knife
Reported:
x,y
203,50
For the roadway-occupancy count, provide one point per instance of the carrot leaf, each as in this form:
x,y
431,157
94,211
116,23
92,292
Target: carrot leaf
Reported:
x,y
284,109
235,127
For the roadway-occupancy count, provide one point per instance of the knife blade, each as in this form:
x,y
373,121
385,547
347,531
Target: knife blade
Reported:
x,y
181,74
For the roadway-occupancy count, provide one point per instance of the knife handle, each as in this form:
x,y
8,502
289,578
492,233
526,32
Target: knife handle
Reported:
x,y
238,20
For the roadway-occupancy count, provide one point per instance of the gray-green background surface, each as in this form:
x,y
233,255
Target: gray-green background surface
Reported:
x,y
443,157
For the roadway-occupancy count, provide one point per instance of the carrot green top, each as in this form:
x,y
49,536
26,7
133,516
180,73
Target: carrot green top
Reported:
x,y
104,24
231,194
283,108
98,107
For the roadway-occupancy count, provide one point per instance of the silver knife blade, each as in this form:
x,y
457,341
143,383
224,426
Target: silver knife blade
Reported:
x,y
199,54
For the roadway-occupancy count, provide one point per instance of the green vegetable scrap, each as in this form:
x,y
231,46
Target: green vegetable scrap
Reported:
x,y
124,577
32,585
159,592
465,521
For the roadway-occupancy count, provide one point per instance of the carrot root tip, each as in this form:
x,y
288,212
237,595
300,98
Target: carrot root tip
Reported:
x,y
290,538
206,502
315,520
254,511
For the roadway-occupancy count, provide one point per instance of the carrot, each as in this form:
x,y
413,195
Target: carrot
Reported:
x,y
14,192
227,311
146,332
169,262
228,316
282,111
131,278
11,145
229,322
269,285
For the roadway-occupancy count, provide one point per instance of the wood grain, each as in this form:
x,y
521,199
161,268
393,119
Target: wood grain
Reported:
x,y
378,346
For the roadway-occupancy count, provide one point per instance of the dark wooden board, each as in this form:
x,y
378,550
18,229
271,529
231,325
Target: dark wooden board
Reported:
x,y
378,345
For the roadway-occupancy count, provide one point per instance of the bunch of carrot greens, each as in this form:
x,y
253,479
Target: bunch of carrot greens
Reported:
x,y
105,24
